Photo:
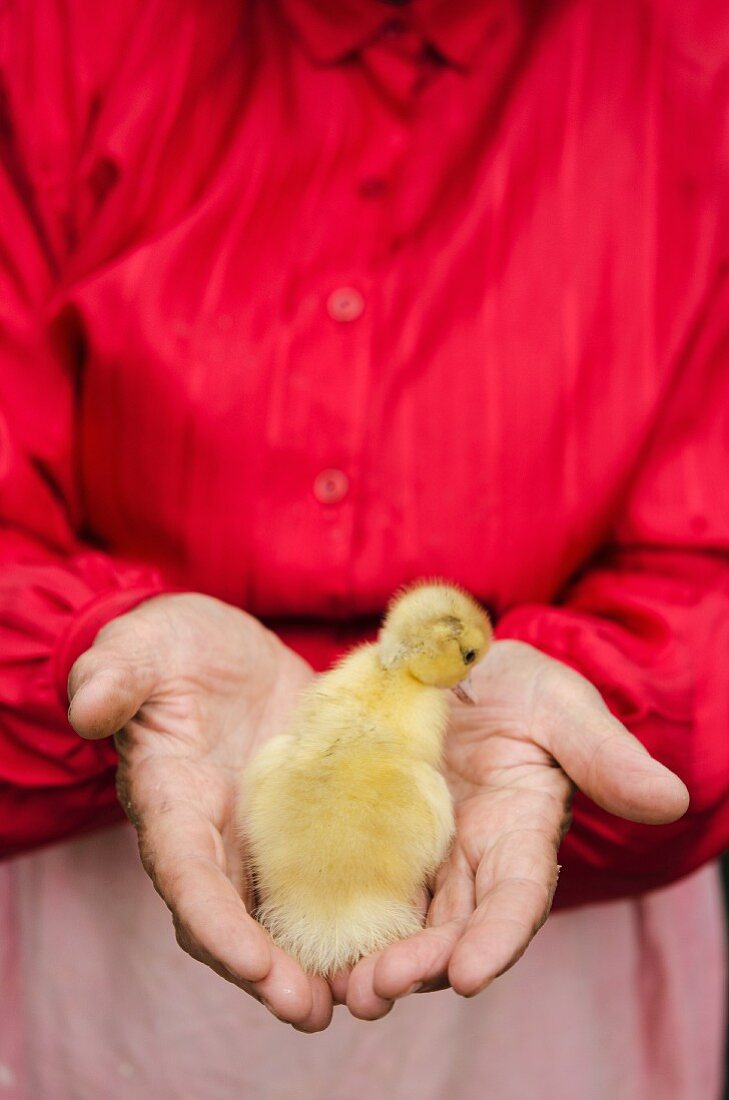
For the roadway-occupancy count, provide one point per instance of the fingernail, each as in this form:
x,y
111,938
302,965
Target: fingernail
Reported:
x,y
480,989
415,988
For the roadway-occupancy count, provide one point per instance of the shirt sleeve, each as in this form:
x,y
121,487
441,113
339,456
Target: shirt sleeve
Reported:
x,y
648,624
56,590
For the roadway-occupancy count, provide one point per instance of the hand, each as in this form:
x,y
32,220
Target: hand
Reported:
x,y
190,687
511,762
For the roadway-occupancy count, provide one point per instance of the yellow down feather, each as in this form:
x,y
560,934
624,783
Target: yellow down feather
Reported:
x,y
346,815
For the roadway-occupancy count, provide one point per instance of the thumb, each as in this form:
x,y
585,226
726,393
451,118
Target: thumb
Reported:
x,y
107,687
612,767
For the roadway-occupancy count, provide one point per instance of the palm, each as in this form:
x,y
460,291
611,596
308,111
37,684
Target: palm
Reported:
x,y
223,686
512,800
192,772
512,807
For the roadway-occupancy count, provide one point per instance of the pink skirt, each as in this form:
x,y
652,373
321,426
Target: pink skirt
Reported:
x,y
612,1002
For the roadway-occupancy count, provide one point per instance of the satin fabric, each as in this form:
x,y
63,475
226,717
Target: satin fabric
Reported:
x,y
272,334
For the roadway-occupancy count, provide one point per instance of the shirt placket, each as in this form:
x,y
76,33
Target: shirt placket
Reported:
x,y
318,434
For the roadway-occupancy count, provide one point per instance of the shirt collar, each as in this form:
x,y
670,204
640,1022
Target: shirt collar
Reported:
x,y
330,31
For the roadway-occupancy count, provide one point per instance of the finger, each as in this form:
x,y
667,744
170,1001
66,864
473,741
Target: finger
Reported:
x,y
293,996
515,885
213,925
362,1001
274,992
338,985
610,765
106,695
454,896
322,1008
209,914
364,996
183,854
418,962
504,927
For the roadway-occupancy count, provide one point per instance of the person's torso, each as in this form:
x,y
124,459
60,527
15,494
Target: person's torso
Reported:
x,y
332,344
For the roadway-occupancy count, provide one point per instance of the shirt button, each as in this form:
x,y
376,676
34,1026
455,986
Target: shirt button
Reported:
x,y
331,486
373,187
393,28
345,304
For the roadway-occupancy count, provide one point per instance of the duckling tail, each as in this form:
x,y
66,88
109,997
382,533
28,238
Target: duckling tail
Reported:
x,y
323,938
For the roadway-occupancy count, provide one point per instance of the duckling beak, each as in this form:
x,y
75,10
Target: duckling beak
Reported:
x,y
464,691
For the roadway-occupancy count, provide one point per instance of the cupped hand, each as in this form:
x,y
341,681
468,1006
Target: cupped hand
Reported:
x,y
512,762
191,686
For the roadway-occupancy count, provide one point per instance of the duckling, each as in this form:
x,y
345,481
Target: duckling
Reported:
x,y
346,816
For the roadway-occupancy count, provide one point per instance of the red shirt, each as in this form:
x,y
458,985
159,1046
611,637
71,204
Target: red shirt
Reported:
x,y
301,301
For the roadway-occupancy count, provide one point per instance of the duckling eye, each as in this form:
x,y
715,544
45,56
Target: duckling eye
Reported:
x,y
469,656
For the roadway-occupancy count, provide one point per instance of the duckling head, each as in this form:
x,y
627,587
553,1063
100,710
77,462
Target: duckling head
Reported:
x,y
437,633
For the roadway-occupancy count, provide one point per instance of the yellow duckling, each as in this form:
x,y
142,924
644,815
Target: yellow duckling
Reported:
x,y
346,815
